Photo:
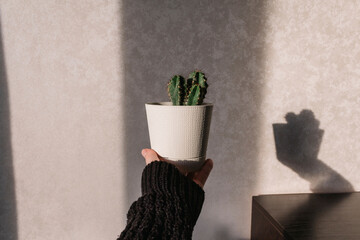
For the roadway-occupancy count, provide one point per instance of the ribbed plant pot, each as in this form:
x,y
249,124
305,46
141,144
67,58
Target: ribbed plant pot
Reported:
x,y
180,133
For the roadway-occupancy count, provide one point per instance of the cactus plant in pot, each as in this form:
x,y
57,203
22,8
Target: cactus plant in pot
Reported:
x,y
179,130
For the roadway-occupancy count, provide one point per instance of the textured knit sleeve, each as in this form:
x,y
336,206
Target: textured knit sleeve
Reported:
x,y
168,208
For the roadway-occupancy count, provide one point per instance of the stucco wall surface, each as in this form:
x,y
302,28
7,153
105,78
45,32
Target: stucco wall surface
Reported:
x,y
75,77
63,77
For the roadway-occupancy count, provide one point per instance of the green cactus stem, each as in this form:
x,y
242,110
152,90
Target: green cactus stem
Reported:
x,y
191,91
197,78
194,97
188,84
176,90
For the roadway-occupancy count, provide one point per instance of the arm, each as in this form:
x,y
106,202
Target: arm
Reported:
x,y
170,203
169,206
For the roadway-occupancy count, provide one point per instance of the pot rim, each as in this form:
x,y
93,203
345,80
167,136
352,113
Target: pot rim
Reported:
x,y
169,104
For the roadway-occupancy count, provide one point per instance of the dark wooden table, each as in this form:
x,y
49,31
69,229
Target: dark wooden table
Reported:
x,y
306,216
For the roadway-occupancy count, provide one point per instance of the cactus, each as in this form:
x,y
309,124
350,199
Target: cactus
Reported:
x,y
193,97
191,91
199,78
177,90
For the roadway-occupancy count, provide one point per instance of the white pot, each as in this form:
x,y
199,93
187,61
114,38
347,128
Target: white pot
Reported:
x,y
180,133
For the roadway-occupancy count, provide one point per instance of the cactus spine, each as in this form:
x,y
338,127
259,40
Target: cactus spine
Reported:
x,y
191,91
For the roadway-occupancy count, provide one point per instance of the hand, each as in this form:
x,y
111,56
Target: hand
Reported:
x,y
199,177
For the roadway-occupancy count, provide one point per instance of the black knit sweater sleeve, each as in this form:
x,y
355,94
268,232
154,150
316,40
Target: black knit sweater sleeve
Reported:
x,y
169,207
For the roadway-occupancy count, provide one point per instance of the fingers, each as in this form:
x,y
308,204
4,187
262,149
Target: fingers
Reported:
x,y
150,155
198,177
201,176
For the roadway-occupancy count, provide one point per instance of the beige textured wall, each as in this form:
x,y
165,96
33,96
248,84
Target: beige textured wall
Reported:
x,y
64,83
313,63
78,74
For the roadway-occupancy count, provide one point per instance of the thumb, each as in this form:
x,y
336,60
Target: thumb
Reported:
x,y
201,176
149,155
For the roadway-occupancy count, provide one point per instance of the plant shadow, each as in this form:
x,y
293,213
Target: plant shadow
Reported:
x,y
297,146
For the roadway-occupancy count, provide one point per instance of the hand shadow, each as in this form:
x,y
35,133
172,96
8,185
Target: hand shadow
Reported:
x,y
297,146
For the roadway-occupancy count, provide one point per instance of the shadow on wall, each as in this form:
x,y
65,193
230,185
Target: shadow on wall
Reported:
x,y
224,39
297,147
8,222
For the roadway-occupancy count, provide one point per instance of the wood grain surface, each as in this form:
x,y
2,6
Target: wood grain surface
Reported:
x,y
306,216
